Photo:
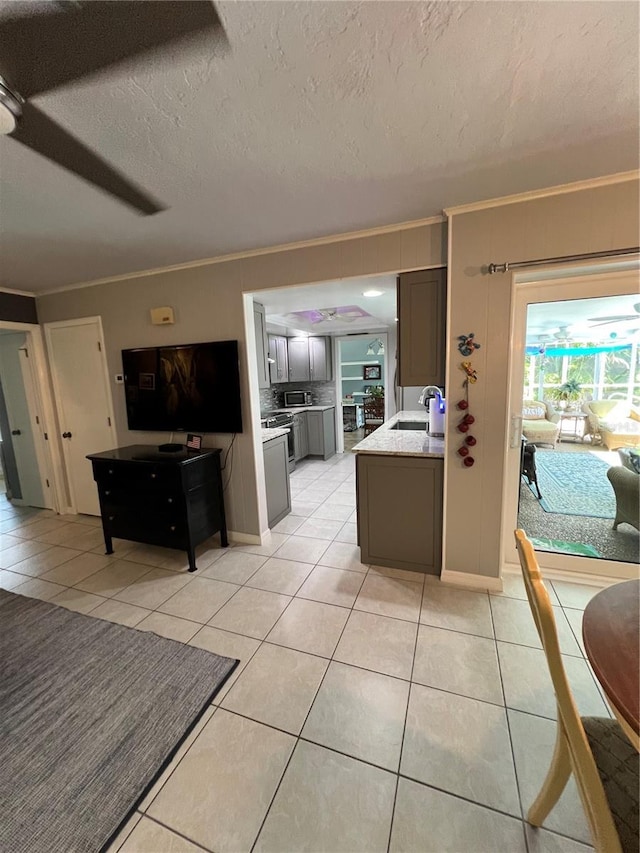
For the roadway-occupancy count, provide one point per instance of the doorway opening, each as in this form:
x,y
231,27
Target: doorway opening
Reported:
x,y
574,449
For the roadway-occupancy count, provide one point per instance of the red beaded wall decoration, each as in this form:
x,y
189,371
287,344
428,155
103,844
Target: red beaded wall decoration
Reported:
x,y
463,405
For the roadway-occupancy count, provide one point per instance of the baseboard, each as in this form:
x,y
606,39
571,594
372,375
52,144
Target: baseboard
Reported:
x,y
592,573
244,538
470,581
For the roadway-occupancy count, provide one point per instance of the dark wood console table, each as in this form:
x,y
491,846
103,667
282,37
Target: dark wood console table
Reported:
x,y
170,499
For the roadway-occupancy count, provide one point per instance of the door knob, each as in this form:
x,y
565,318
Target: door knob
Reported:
x,y
66,435
15,432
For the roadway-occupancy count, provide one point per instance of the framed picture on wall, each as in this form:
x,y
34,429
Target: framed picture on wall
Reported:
x,y
372,371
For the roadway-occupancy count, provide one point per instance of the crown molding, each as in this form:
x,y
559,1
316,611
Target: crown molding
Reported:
x,y
531,195
253,253
17,292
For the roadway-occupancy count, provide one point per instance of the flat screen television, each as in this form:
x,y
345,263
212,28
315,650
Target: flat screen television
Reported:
x,y
192,387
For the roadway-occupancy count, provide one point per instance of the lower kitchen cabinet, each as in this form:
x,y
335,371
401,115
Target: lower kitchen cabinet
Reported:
x,y
321,427
399,501
300,436
276,477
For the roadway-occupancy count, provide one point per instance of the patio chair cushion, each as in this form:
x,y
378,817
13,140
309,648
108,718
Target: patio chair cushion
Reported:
x,y
617,763
534,412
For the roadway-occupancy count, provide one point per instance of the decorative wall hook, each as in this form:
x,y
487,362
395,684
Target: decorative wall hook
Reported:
x,y
467,344
472,375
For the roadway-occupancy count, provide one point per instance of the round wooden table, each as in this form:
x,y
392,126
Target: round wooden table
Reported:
x,y
611,634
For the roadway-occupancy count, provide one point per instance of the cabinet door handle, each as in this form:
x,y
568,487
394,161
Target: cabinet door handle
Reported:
x,y
66,435
16,432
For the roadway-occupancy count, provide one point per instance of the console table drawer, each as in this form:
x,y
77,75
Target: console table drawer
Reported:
x,y
128,476
113,497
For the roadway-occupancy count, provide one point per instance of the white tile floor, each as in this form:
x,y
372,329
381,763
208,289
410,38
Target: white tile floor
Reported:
x,y
373,710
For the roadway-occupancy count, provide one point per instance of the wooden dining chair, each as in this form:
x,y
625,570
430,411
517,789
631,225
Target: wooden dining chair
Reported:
x,y
594,749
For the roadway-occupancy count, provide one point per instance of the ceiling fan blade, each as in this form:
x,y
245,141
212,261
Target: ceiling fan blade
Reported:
x,y
613,318
617,320
40,133
42,49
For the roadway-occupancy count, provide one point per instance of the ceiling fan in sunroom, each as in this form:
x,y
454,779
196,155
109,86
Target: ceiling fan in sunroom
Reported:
x,y
46,45
617,318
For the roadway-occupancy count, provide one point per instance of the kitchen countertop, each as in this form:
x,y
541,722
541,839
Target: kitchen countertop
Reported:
x,y
398,442
293,409
268,434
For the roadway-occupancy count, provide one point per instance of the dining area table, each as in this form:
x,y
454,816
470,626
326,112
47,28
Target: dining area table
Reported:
x,y
611,636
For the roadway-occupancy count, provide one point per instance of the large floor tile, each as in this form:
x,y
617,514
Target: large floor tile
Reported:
x,y
401,574
344,555
543,841
514,623
378,643
513,587
575,595
528,686
17,551
76,599
430,821
278,575
459,663
153,588
533,743
199,599
360,713
310,626
270,546
40,563
393,597
171,627
36,529
38,588
119,611
289,524
149,837
252,612
462,746
304,508
332,586
277,687
334,511
303,549
76,569
348,533
114,578
234,567
329,802
320,528
456,609
574,618
86,538
221,790
229,646
10,580
63,534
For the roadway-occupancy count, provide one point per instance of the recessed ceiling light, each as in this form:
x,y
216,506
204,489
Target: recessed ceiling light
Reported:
x,y
372,293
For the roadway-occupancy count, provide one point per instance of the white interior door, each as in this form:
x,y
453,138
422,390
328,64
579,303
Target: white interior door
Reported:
x,y
528,293
83,403
21,419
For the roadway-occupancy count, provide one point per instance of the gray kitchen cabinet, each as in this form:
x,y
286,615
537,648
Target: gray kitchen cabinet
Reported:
x,y
298,352
276,476
320,365
300,436
260,324
322,433
422,298
279,366
399,501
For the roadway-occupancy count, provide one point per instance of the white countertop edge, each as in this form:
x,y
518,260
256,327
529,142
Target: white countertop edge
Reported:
x,y
276,432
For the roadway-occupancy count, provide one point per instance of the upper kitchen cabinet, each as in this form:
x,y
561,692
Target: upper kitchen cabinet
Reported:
x,y
262,353
279,359
422,298
320,366
309,359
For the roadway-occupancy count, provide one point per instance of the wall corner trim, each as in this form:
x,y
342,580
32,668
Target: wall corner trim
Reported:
x,y
245,538
531,195
471,581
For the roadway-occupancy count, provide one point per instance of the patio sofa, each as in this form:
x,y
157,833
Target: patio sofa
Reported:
x,y
613,422
625,480
540,423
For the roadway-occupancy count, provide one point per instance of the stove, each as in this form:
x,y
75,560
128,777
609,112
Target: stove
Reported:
x,y
283,420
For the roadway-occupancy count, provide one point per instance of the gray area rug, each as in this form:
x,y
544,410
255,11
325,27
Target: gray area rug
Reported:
x,y
91,714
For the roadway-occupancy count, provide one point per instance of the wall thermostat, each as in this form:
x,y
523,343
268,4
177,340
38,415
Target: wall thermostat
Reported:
x,y
162,316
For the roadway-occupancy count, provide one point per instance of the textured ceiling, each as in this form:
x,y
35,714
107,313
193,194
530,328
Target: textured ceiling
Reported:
x,y
325,117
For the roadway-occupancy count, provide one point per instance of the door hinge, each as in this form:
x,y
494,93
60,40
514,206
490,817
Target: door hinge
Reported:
x,y
99,347
37,419
48,484
109,421
46,437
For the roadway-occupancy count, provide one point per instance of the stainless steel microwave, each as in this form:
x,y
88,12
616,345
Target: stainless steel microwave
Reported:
x,y
297,398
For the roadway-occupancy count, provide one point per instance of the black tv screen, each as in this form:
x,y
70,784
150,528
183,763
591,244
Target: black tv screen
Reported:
x,y
195,387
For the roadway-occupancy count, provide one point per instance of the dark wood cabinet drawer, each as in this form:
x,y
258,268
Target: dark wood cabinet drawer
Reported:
x,y
115,496
139,476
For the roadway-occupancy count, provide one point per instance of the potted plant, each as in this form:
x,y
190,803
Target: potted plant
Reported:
x,y
567,394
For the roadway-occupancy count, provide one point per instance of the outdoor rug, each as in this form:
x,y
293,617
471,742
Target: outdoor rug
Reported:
x,y
574,484
91,714
559,546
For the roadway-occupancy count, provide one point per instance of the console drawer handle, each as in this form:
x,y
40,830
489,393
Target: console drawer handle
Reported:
x,y
153,476
107,492
172,528
169,500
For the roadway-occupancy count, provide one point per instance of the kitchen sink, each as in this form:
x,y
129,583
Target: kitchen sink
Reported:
x,y
411,425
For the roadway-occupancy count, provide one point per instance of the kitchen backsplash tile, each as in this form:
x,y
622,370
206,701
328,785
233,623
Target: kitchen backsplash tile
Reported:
x,y
322,394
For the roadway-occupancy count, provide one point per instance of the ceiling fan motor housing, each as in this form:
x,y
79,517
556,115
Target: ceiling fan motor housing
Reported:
x,y
10,108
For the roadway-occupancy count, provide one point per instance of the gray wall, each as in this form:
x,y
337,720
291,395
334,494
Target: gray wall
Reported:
x,y
208,305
